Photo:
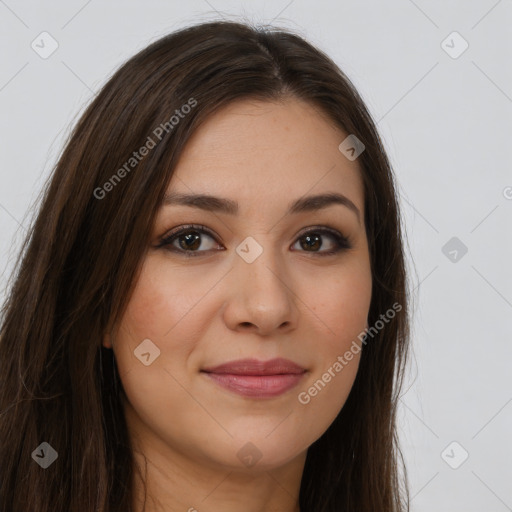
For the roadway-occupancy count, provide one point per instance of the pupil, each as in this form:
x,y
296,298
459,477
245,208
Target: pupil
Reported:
x,y
312,242
309,242
190,238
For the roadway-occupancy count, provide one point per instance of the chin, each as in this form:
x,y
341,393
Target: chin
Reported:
x,y
265,453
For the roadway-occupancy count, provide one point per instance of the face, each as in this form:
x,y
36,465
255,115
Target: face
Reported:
x,y
255,278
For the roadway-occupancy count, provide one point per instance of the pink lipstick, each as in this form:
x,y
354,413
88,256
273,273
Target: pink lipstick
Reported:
x,y
257,379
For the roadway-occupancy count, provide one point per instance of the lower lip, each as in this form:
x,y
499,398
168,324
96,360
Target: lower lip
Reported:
x,y
259,386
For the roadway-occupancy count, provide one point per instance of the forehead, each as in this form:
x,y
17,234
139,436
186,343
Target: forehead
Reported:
x,y
272,151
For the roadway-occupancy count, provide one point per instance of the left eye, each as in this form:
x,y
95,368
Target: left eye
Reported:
x,y
189,240
314,238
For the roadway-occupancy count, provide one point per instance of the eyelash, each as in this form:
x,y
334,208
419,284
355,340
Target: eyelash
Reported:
x,y
342,242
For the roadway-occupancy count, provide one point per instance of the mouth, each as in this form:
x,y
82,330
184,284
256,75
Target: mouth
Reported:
x,y
257,379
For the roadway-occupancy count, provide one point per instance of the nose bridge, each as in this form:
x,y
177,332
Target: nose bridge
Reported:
x,y
262,291
267,269
259,263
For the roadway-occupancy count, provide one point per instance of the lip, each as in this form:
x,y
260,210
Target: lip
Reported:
x,y
257,379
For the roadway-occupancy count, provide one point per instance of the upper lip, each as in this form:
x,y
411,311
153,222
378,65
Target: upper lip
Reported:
x,y
276,366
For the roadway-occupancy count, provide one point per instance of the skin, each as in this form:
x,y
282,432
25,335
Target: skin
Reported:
x,y
201,311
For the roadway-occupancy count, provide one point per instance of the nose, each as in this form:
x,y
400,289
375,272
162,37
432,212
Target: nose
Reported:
x,y
261,296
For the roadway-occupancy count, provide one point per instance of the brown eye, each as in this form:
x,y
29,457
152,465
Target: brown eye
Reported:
x,y
191,240
187,240
313,241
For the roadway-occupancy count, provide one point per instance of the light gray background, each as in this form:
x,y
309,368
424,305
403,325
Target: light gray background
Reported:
x,y
447,125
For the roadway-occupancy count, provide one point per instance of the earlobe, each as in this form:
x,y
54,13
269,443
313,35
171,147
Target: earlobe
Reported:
x,y
107,341
108,337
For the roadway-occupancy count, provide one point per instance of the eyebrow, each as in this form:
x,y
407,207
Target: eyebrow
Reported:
x,y
228,206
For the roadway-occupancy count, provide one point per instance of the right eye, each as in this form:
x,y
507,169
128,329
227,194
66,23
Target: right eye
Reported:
x,y
188,239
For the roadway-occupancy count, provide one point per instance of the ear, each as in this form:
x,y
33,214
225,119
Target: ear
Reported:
x,y
107,341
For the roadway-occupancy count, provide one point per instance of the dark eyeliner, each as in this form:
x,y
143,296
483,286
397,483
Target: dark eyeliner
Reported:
x,y
167,240
342,242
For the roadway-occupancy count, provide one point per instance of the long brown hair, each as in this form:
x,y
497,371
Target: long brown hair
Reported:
x,y
82,255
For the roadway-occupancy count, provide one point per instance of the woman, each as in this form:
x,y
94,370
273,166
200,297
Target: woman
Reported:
x,y
210,311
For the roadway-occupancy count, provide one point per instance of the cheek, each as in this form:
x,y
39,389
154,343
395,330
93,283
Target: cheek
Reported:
x,y
341,304
163,301
160,311
340,310
167,307
148,316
